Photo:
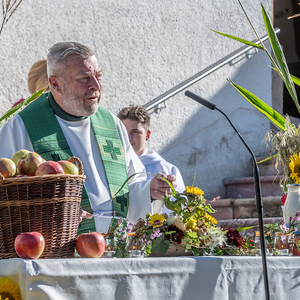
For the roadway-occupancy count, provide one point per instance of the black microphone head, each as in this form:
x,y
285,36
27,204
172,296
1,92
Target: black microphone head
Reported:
x,y
200,100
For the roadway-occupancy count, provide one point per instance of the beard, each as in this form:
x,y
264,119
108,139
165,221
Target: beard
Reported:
x,y
75,105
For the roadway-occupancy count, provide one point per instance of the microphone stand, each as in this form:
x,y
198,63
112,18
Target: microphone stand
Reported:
x,y
257,188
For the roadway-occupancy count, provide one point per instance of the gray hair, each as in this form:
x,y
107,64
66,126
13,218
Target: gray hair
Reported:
x,y
60,51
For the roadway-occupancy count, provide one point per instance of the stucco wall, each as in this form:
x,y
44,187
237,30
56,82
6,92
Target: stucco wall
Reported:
x,y
145,48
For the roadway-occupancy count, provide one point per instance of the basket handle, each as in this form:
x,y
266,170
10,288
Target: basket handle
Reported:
x,y
1,178
79,163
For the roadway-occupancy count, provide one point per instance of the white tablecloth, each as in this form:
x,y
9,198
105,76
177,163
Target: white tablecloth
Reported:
x,y
185,278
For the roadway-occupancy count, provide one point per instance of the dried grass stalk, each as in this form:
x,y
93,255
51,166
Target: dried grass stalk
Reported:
x,y
286,143
8,9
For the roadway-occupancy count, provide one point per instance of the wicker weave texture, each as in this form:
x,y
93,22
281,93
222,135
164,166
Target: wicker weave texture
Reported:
x,y
48,204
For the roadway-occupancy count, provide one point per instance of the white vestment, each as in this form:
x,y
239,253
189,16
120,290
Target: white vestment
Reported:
x,y
154,164
83,144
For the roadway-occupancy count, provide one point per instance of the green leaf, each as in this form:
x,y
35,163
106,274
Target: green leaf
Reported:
x,y
193,235
239,40
23,103
277,119
296,80
173,205
187,216
195,251
245,228
125,183
209,208
280,58
268,158
160,244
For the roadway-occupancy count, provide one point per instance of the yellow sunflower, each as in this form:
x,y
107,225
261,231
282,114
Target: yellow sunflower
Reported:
x,y
9,290
192,223
295,167
194,190
210,218
156,219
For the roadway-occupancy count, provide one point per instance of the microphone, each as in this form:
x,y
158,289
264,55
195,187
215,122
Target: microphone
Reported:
x,y
200,100
257,187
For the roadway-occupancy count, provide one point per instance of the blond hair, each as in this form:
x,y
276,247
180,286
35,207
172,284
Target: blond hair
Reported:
x,y
37,77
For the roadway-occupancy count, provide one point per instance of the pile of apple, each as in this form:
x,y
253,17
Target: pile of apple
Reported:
x,y
30,245
26,163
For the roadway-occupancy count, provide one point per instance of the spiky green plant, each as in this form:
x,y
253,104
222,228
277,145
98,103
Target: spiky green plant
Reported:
x,y
286,141
279,64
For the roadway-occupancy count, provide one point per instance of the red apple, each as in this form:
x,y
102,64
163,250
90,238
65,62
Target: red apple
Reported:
x,y
15,158
29,162
49,167
69,168
29,245
90,245
7,167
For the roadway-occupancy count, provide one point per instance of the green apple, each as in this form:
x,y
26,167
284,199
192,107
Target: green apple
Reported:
x,y
17,155
7,167
69,167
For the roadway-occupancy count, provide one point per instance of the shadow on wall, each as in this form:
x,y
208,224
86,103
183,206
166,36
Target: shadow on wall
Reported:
x,y
209,145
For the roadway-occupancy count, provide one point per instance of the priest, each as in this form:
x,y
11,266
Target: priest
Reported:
x,y
68,121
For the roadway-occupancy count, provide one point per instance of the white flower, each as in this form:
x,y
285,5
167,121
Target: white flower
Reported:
x,y
218,238
171,219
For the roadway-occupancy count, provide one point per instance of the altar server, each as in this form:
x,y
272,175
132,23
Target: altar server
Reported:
x,y
137,122
68,121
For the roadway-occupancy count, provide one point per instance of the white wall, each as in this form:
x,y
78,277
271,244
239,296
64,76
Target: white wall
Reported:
x,y
145,48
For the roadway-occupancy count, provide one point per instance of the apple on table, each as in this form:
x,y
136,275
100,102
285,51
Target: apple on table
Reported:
x,y
90,245
29,245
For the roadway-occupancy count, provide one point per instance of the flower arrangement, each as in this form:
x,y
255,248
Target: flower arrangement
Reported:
x,y
189,226
189,229
235,244
288,233
116,237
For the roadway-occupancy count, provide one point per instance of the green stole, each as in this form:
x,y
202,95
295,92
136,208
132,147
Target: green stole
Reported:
x,y
49,141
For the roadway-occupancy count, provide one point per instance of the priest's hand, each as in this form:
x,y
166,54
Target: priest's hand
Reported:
x,y
84,214
158,187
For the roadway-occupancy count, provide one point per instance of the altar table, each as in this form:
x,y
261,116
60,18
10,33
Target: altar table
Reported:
x,y
180,278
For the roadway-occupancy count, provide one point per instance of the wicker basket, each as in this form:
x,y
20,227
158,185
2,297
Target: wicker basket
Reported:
x,y
48,204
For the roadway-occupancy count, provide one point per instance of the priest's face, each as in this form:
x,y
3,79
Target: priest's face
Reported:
x,y
80,86
137,135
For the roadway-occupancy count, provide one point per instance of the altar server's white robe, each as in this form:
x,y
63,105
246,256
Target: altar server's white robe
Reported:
x,y
82,142
154,164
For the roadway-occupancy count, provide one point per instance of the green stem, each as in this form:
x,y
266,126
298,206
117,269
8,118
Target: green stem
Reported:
x,y
265,49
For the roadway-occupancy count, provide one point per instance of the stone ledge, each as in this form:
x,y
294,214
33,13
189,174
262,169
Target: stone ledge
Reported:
x,y
268,167
244,187
246,208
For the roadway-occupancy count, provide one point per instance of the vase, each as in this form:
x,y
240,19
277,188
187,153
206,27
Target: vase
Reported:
x,y
292,203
